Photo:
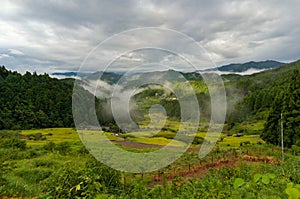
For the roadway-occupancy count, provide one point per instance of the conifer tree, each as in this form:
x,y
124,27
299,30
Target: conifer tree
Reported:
x,y
287,103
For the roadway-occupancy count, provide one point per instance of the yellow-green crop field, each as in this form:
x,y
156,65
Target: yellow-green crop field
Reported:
x,y
158,141
52,135
231,141
58,135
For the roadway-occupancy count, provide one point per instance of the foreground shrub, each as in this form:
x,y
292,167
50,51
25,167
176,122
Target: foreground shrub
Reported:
x,y
13,143
68,182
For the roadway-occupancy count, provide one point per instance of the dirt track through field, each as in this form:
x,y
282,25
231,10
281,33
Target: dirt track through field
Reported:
x,y
199,170
196,171
137,145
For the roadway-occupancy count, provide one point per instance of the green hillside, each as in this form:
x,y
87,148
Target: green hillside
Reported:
x,y
245,162
38,101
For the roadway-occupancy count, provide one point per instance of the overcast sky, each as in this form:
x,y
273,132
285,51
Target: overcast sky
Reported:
x,y
48,36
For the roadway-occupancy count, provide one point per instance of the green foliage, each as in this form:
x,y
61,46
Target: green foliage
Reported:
x,y
245,143
63,147
254,95
293,191
53,175
84,183
287,103
238,182
34,175
50,146
57,169
13,143
296,149
259,184
34,101
198,140
165,134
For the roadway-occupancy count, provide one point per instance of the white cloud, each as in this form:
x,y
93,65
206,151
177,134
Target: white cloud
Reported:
x,y
4,56
247,72
15,52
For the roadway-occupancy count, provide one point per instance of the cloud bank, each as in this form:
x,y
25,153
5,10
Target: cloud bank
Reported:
x,y
47,36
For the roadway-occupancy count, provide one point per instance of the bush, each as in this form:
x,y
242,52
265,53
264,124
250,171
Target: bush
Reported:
x,y
165,134
43,163
34,175
297,143
83,151
63,148
50,146
296,149
68,182
245,143
31,153
198,140
13,143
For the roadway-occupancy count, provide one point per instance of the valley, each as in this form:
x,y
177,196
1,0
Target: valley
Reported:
x,y
43,155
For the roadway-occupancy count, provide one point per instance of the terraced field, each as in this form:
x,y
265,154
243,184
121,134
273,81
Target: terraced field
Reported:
x,y
58,135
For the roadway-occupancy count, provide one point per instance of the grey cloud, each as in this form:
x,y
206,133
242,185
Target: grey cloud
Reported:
x,y
59,34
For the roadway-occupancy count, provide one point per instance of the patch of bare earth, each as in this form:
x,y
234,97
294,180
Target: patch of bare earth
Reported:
x,y
136,145
199,170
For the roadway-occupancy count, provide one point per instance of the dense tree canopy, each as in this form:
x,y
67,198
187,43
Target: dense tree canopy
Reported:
x,y
34,101
287,102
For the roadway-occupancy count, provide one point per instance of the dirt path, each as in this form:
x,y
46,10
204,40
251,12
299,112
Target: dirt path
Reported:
x,y
199,170
137,145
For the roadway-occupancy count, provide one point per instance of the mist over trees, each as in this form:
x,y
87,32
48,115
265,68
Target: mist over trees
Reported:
x,y
39,101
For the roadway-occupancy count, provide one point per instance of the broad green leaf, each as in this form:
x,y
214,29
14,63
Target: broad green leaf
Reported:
x,y
293,193
265,179
271,175
297,186
257,177
78,187
238,182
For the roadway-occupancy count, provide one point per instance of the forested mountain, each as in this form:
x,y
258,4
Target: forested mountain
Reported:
x,y
34,101
257,92
264,97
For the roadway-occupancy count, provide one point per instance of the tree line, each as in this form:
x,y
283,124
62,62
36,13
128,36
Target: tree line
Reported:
x,y
39,101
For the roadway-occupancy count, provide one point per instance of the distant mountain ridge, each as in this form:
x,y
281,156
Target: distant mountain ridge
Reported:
x,y
68,74
269,64
234,68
